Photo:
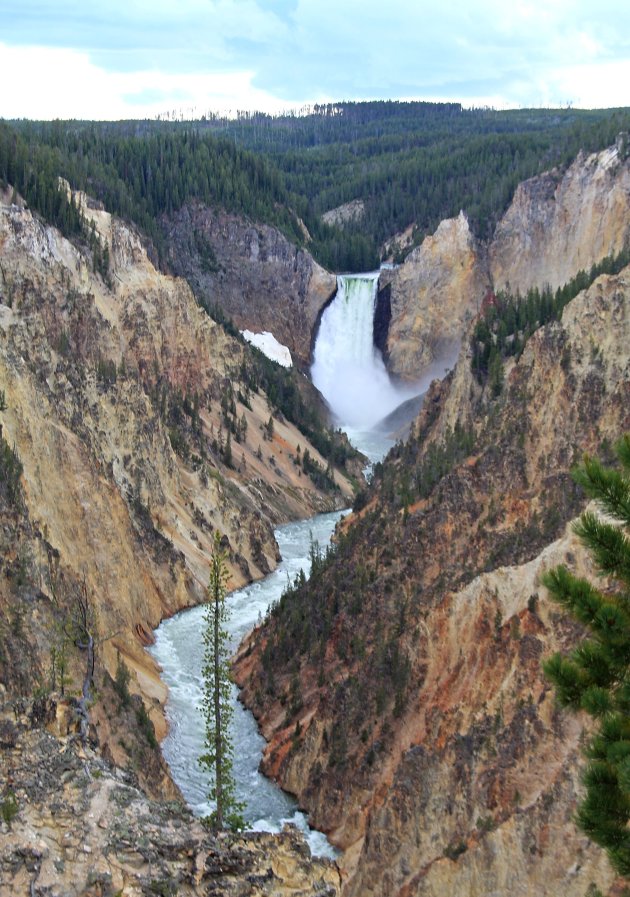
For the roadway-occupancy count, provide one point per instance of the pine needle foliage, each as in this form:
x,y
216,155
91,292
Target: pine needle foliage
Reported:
x,y
217,758
595,676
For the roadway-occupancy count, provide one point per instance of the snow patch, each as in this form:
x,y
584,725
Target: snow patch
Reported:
x,y
269,346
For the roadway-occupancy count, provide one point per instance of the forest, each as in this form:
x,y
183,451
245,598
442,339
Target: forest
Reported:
x,y
415,163
412,164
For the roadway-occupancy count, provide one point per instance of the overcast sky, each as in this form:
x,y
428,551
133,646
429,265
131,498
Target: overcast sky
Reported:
x,y
134,58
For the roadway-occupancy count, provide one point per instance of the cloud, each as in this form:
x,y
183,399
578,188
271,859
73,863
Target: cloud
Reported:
x,y
352,48
73,87
586,84
276,53
190,36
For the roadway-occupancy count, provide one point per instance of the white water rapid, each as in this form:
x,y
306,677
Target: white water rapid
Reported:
x,y
347,368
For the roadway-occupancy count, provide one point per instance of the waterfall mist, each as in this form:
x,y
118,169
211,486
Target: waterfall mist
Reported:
x,y
347,368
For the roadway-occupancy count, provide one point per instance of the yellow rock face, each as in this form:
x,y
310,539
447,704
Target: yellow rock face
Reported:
x,y
434,294
555,226
83,364
558,225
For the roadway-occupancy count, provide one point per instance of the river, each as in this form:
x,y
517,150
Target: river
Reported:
x,y
178,648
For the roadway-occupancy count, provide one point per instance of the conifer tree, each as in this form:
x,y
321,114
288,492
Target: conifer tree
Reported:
x,y
595,676
218,756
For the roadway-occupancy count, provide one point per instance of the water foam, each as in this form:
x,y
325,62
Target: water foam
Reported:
x,y
347,368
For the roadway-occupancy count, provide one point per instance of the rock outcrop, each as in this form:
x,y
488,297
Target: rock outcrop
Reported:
x,y
252,272
425,739
347,213
559,224
433,296
72,825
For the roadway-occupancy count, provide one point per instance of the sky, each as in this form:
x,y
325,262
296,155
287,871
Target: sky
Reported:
x,y
138,59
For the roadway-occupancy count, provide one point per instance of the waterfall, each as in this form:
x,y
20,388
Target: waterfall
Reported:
x,y
347,368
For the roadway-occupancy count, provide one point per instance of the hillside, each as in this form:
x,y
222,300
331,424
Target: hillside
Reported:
x,y
260,280
132,430
409,164
422,735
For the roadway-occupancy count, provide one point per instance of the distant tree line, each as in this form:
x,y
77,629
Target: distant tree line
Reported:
x,y
33,171
143,178
412,164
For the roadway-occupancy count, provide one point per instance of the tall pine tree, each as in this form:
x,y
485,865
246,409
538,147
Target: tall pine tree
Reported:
x,y
595,676
217,709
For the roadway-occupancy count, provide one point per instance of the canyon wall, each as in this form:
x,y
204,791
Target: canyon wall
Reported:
x,y
557,224
425,739
433,296
120,395
260,279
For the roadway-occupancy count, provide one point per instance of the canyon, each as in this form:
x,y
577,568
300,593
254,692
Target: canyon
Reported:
x,y
120,401
426,741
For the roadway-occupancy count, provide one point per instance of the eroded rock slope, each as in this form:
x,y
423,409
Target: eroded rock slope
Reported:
x,y
557,224
139,434
261,280
401,691
433,295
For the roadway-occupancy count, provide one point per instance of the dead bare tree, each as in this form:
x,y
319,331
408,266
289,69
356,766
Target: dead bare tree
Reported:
x,y
81,630
79,626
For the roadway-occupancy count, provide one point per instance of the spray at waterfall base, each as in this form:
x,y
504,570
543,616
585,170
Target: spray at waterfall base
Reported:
x,y
347,367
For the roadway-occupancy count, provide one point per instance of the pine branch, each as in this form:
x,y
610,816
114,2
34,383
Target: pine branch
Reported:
x,y
595,677
569,679
609,487
608,544
576,595
622,450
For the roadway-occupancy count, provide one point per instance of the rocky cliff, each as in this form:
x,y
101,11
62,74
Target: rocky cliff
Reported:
x,y
258,278
421,733
433,296
345,214
121,398
560,223
73,826
557,224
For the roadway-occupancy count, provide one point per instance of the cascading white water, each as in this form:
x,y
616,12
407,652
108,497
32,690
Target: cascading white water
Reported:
x,y
347,368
